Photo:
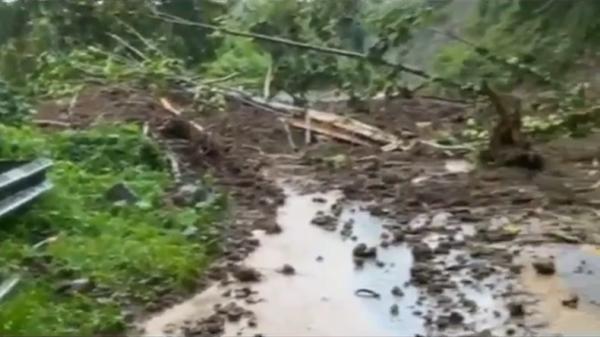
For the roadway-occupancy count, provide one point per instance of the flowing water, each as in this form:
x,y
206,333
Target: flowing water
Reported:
x,y
320,299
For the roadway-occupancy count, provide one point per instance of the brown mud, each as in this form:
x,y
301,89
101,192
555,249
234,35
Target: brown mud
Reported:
x,y
444,251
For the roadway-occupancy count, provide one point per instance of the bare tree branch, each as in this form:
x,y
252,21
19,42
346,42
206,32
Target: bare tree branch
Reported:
x,y
298,44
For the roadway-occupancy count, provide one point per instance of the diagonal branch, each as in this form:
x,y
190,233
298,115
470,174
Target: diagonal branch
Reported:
x,y
303,45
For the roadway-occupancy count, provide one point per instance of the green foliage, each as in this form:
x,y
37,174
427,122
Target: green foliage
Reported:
x,y
241,57
523,40
36,27
60,74
133,252
13,108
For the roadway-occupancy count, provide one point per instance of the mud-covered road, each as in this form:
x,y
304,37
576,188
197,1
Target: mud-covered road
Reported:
x,y
335,239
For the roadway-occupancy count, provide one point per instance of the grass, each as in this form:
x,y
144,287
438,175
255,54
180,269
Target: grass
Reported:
x,y
133,253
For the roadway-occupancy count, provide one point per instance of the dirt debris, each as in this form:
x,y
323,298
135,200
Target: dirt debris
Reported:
x,y
246,274
245,141
287,270
544,266
362,251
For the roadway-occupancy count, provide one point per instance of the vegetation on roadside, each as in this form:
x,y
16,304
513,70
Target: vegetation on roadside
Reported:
x,y
128,254
134,253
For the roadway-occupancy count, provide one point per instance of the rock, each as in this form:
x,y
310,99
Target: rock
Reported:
x,y
337,208
242,293
516,310
421,274
287,270
398,237
246,274
456,318
362,251
325,221
75,286
571,302
319,200
189,195
394,310
120,192
233,312
442,322
544,266
396,291
421,251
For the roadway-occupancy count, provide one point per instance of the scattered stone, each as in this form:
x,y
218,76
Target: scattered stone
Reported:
x,y
421,274
396,291
421,251
242,293
442,322
120,192
362,251
337,208
75,286
233,312
456,318
571,302
189,195
325,221
319,259
287,270
544,266
216,273
319,200
384,244
394,310
252,323
398,237
246,274
516,310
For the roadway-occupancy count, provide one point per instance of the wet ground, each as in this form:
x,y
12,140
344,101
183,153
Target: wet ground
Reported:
x,y
447,245
327,292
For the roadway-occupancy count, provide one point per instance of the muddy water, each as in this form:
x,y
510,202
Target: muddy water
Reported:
x,y
320,299
578,268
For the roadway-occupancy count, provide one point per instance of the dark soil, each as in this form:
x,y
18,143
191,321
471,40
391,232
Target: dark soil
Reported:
x,y
246,149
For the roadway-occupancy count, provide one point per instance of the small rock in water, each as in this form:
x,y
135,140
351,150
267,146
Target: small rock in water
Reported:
x,y
571,302
516,310
362,251
544,266
456,318
396,291
394,310
246,274
421,251
287,270
325,221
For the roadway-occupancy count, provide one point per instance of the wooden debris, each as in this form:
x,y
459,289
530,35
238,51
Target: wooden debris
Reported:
x,y
328,131
169,107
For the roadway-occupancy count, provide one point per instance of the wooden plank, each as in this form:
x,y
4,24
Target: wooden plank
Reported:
x,y
327,130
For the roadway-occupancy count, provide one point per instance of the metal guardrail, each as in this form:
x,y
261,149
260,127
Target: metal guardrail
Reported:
x,y
22,182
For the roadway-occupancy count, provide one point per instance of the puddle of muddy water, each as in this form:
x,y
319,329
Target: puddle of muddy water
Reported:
x,y
577,271
320,300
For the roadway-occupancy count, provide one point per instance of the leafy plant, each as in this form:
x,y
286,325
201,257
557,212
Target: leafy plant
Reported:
x,y
134,253
13,108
